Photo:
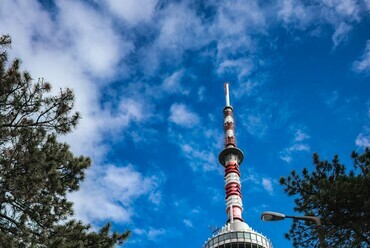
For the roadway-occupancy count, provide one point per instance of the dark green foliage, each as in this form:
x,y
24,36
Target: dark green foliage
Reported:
x,y
74,234
5,41
340,198
37,171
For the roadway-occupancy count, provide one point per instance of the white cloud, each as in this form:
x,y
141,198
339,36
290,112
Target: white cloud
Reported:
x,y
256,123
285,157
299,148
22,20
331,98
266,115
237,18
201,93
300,136
251,176
241,67
343,8
188,223
229,46
341,33
182,116
177,29
172,83
133,11
363,65
195,211
367,2
258,182
125,180
294,12
363,139
246,88
98,206
155,197
71,49
109,193
303,14
91,37
150,233
198,146
233,30
267,185
97,122
181,29
129,110
298,145
340,14
200,158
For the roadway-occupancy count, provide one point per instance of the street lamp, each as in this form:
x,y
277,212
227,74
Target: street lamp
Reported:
x,y
274,216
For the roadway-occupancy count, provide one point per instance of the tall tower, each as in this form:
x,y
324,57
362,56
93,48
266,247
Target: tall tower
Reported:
x,y
236,233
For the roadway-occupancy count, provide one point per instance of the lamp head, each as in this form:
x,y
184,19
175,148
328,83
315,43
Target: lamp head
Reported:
x,y
272,216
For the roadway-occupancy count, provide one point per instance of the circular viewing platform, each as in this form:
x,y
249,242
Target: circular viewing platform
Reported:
x,y
238,239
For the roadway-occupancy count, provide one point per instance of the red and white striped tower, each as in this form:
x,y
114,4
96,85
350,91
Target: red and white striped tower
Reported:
x,y
231,157
236,233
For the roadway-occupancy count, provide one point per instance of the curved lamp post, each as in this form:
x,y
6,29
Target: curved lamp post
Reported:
x,y
274,216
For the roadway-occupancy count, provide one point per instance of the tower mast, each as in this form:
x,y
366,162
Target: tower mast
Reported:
x,y
236,233
231,157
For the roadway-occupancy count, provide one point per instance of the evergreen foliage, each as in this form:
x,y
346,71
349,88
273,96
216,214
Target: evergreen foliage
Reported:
x,y
339,197
37,171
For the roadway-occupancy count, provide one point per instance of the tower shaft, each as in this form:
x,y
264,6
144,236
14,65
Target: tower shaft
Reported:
x,y
231,157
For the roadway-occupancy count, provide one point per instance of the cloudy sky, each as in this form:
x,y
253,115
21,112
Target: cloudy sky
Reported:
x,y
148,78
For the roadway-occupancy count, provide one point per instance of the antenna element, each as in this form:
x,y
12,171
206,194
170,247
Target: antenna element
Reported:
x,y
227,94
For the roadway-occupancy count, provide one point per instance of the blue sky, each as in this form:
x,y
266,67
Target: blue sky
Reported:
x,y
148,78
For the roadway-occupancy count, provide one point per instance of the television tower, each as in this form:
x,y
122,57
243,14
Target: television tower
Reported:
x,y
236,233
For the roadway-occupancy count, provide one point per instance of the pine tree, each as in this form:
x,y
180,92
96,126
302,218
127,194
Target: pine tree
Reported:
x,y
37,171
339,197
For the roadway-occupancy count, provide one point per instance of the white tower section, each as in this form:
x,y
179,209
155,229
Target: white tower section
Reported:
x,y
227,95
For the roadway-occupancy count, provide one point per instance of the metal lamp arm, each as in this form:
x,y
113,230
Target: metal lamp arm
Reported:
x,y
310,218
318,226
